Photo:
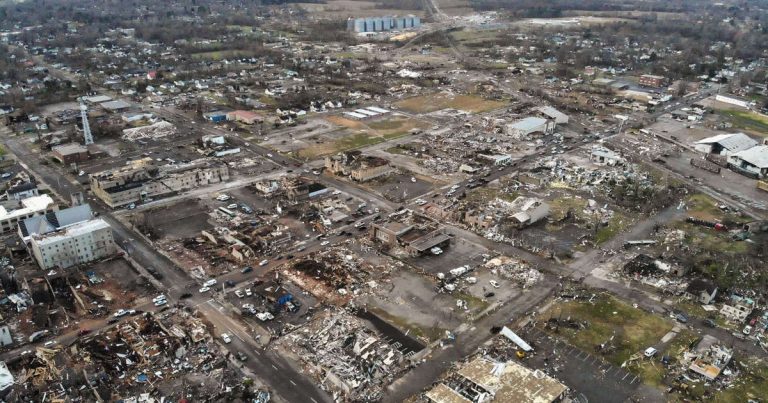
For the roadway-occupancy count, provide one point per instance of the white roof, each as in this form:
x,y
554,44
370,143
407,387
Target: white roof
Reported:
x,y
757,156
29,205
78,229
552,112
366,112
355,115
377,109
731,141
97,99
528,123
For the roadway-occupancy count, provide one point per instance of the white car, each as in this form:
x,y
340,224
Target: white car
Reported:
x,y
161,302
120,313
226,338
205,289
232,206
413,179
336,192
248,292
650,352
264,262
436,250
210,283
222,198
264,316
324,243
269,155
239,294
494,284
158,298
747,330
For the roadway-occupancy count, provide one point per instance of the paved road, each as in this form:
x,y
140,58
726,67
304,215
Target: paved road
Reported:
x,y
286,383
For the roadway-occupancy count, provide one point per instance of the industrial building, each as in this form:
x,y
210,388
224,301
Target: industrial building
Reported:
x,y
725,144
522,128
552,113
70,153
21,210
77,244
246,117
752,162
650,80
484,380
381,24
357,166
141,180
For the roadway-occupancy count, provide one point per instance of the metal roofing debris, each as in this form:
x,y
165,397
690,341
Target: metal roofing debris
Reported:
x,y
508,333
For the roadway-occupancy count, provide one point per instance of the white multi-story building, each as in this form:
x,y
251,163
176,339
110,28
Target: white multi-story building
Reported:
x,y
77,244
21,210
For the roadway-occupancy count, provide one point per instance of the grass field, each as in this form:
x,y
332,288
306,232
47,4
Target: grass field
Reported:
x,y
429,334
222,54
436,102
747,120
363,134
632,329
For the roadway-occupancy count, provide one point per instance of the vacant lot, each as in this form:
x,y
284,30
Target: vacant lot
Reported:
x,y
361,134
750,121
622,329
436,102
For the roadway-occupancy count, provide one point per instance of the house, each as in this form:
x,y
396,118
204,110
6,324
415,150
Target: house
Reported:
x,y
77,244
701,290
70,153
552,113
485,380
752,162
725,144
21,190
528,210
524,127
603,156
650,80
737,308
711,357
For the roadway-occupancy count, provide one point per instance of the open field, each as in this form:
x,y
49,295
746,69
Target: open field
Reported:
x,y
612,322
356,134
436,102
222,54
750,121
352,8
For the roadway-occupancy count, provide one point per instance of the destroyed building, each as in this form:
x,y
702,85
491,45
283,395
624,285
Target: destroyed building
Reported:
x,y
414,233
359,167
485,380
79,243
143,179
709,358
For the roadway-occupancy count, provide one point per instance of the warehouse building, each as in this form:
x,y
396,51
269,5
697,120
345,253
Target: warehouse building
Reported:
x,y
524,127
381,24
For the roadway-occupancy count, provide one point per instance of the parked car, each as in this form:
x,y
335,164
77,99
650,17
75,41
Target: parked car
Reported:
x,y
239,294
226,338
210,283
246,269
650,352
205,289
120,313
709,323
241,356
248,292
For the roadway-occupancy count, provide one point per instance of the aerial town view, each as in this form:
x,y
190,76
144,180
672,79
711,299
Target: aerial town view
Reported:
x,y
421,201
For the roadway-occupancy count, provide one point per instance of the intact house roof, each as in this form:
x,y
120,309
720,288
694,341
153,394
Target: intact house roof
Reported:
x,y
757,156
733,142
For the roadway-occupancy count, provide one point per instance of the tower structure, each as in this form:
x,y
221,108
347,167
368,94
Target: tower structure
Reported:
x,y
87,136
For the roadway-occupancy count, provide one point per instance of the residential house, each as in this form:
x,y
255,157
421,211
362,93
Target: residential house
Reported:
x,y
737,308
701,290
752,162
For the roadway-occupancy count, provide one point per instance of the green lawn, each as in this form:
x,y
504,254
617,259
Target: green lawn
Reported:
x,y
425,334
747,120
632,329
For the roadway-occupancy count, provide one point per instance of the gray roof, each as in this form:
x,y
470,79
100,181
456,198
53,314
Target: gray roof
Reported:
x,y
528,123
53,221
114,105
757,156
733,142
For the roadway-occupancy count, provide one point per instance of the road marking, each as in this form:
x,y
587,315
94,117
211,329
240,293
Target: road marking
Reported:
x,y
292,382
633,380
585,357
273,366
312,399
257,352
625,375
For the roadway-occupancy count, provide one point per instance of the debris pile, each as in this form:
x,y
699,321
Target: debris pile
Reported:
x,y
153,131
350,360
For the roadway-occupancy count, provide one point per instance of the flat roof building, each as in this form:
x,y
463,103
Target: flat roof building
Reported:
x,y
26,208
499,382
77,244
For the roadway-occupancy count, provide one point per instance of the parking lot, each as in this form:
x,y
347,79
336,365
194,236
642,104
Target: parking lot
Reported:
x,y
585,372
